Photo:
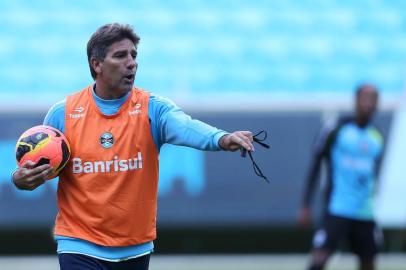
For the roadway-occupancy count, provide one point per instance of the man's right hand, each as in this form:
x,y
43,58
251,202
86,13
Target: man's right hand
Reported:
x,y
29,177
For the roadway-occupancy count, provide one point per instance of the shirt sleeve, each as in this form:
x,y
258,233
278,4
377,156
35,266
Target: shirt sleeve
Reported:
x,y
321,149
56,116
169,124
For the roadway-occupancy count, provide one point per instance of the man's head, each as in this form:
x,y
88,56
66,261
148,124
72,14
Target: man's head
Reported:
x,y
365,103
111,53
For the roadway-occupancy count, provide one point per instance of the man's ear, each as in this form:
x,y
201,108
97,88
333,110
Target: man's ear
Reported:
x,y
96,64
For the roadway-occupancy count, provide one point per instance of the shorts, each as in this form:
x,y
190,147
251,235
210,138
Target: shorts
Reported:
x,y
71,261
364,237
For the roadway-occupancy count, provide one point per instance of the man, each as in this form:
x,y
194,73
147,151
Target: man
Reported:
x,y
107,194
352,150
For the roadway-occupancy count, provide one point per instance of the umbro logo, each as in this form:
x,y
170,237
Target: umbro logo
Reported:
x,y
136,110
79,109
78,113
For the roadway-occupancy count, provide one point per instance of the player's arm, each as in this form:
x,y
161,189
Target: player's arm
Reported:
x,y
171,125
56,116
29,177
320,150
380,158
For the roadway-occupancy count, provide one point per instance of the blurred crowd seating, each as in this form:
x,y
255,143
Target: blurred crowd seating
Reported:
x,y
193,48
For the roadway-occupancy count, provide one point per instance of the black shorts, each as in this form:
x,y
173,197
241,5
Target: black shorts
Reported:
x,y
364,237
70,261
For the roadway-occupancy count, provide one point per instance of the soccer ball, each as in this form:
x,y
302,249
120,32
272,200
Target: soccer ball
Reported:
x,y
43,145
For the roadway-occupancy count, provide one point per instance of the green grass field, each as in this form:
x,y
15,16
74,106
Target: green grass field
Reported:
x,y
218,262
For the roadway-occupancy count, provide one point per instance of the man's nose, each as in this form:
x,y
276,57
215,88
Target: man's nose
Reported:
x,y
131,64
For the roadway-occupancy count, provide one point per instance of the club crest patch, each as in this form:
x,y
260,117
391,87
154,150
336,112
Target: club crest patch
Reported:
x,y
106,140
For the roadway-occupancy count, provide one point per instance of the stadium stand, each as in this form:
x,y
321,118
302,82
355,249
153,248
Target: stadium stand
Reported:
x,y
197,48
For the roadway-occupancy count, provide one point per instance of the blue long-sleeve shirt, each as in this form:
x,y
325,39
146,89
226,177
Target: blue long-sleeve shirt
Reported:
x,y
170,125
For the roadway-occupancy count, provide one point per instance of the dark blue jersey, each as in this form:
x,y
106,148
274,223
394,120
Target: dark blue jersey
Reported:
x,y
353,154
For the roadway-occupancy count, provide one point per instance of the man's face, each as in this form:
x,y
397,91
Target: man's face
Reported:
x,y
117,71
366,102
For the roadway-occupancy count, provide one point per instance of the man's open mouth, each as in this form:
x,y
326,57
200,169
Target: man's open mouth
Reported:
x,y
129,77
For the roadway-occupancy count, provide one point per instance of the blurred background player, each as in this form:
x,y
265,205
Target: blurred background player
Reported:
x,y
352,149
107,194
